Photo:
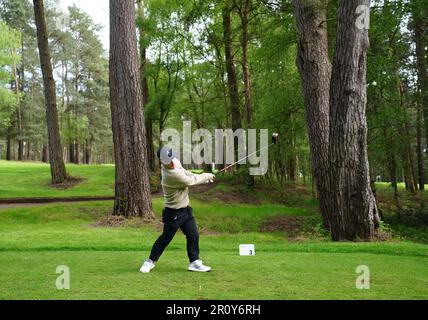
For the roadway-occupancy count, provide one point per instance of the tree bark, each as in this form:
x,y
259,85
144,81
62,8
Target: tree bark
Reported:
x,y
407,152
419,148
58,172
421,64
392,168
353,206
45,153
18,113
28,150
145,91
245,11
314,67
132,187
231,70
71,151
9,143
88,152
77,152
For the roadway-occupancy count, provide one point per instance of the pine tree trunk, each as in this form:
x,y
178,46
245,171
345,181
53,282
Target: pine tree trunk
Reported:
x,y
353,205
419,27
77,152
18,113
419,149
88,152
57,166
70,152
314,67
421,64
231,70
132,187
151,160
28,151
407,152
392,168
9,144
145,91
45,153
245,13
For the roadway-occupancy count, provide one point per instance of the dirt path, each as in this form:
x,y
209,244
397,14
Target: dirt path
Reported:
x,y
23,205
33,202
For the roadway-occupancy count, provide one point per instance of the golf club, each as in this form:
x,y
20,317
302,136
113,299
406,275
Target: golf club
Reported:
x,y
274,141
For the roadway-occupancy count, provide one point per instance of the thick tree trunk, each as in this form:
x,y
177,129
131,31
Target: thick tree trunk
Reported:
x,y
231,70
57,166
145,91
353,205
314,67
132,187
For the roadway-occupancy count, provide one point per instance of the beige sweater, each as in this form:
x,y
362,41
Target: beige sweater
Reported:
x,y
175,183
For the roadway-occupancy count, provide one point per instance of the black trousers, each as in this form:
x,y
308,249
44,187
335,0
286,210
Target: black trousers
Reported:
x,y
173,220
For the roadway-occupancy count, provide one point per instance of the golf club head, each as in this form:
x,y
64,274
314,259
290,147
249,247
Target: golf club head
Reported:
x,y
275,136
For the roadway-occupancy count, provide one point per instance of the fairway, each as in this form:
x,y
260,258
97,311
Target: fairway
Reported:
x,y
269,275
104,260
32,180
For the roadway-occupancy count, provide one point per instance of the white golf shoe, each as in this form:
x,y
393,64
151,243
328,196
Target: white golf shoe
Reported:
x,y
147,266
197,265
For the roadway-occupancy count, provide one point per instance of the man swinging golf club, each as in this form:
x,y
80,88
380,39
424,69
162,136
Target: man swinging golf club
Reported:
x,y
177,213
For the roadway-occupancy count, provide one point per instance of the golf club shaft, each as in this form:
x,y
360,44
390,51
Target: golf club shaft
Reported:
x,y
231,165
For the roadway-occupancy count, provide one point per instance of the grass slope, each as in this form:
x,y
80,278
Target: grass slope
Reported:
x,y
31,179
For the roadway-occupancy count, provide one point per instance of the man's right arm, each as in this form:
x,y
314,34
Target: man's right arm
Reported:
x,y
186,178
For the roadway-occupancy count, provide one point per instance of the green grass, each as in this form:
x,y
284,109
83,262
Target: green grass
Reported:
x,y
31,179
387,185
275,275
104,261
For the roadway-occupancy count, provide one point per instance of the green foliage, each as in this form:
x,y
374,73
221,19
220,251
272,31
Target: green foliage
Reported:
x,y
84,82
391,87
10,40
7,106
187,78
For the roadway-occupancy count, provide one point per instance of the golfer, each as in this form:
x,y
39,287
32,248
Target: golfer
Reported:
x,y
177,213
